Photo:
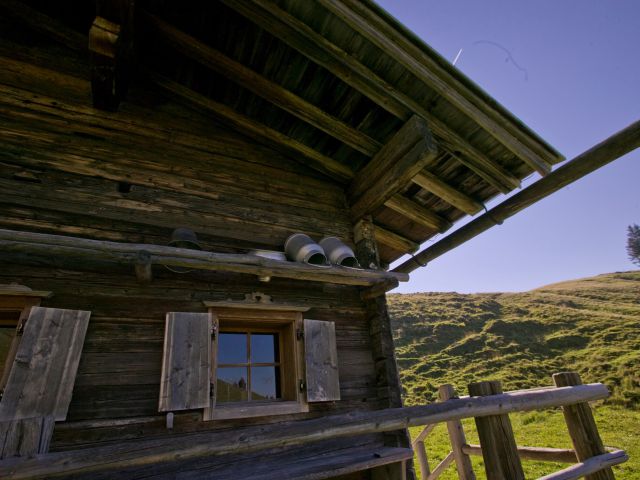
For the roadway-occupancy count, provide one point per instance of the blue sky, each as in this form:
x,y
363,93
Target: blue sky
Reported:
x,y
570,69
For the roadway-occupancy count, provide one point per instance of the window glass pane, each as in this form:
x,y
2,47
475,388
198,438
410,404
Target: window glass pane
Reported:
x,y
231,385
264,348
232,348
265,383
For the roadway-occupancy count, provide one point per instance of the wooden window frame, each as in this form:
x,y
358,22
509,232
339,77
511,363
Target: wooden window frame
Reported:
x,y
288,323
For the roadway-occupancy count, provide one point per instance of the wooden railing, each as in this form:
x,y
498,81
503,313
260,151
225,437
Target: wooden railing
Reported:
x,y
502,455
112,458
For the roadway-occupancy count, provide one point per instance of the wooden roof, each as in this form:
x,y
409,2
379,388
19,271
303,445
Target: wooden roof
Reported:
x,y
339,86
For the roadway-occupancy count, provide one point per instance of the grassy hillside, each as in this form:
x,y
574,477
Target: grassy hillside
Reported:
x,y
590,325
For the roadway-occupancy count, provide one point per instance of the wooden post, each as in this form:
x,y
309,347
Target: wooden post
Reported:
x,y
423,460
457,438
582,427
366,246
499,448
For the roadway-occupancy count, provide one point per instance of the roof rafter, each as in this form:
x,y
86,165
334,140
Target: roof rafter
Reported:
x,y
302,38
259,85
377,31
395,241
417,213
255,129
408,151
446,192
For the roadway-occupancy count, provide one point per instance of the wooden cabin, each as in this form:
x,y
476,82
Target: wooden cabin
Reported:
x,y
126,350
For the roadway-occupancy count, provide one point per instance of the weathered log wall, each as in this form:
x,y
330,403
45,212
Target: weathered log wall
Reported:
x,y
134,176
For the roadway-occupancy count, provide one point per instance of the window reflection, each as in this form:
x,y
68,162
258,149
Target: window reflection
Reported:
x,y
248,367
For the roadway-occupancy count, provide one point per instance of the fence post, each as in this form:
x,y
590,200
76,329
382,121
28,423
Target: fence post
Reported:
x,y
498,444
457,438
582,427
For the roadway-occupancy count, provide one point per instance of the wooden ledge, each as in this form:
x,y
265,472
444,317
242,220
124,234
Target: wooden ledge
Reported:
x,y
15,290
56,246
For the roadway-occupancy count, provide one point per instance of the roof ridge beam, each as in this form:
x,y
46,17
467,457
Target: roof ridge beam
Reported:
x,y
254,129
417,213
435,185
379,33
264,88
302,38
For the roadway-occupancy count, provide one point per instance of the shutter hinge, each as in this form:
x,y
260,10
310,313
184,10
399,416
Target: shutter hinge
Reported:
x,y
212,390
303,386
300,334
214,331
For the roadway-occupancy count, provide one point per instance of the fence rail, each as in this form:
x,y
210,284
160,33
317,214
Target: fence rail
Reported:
x,y
502,455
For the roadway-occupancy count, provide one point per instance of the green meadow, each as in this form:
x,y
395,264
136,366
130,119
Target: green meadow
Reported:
x,y
591,326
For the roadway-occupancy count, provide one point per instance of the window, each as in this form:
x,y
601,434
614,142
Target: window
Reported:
x,y
249,367
259,358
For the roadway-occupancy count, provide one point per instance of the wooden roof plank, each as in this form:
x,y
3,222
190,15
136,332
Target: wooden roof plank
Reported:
x,y
446,192
259,85
378,32
255,129
395,241
302,38
417,213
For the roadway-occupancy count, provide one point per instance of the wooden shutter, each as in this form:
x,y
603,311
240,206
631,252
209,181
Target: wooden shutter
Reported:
x,y
43,373
321,357
186,364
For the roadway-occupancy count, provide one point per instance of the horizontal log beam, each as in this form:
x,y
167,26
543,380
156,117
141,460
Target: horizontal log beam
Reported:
x,y
395,177
433,184
264,88
605,152
347,68
540,454
395,241
589,466
417,213
250,439
45,245
254,129
364,21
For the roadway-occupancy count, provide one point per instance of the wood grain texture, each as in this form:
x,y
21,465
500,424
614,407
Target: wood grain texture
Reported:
x,y
417,213
457,438
499,449
25,437
582,427
186,362
458,199
44,370
321,358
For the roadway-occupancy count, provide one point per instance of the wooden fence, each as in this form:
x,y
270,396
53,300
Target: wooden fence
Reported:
x,y
498,446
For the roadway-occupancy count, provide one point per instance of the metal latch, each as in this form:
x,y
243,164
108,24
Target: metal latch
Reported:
x,y
303,386
300,334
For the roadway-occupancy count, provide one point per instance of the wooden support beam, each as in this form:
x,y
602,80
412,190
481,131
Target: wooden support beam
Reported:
x,y
395,241
390,173
499,449
605,152
457,438
143,269
254,129
299,36
411,133
363,20
417,213
45,246
432,183
365,242
582,427
249,439
441,467
257,84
